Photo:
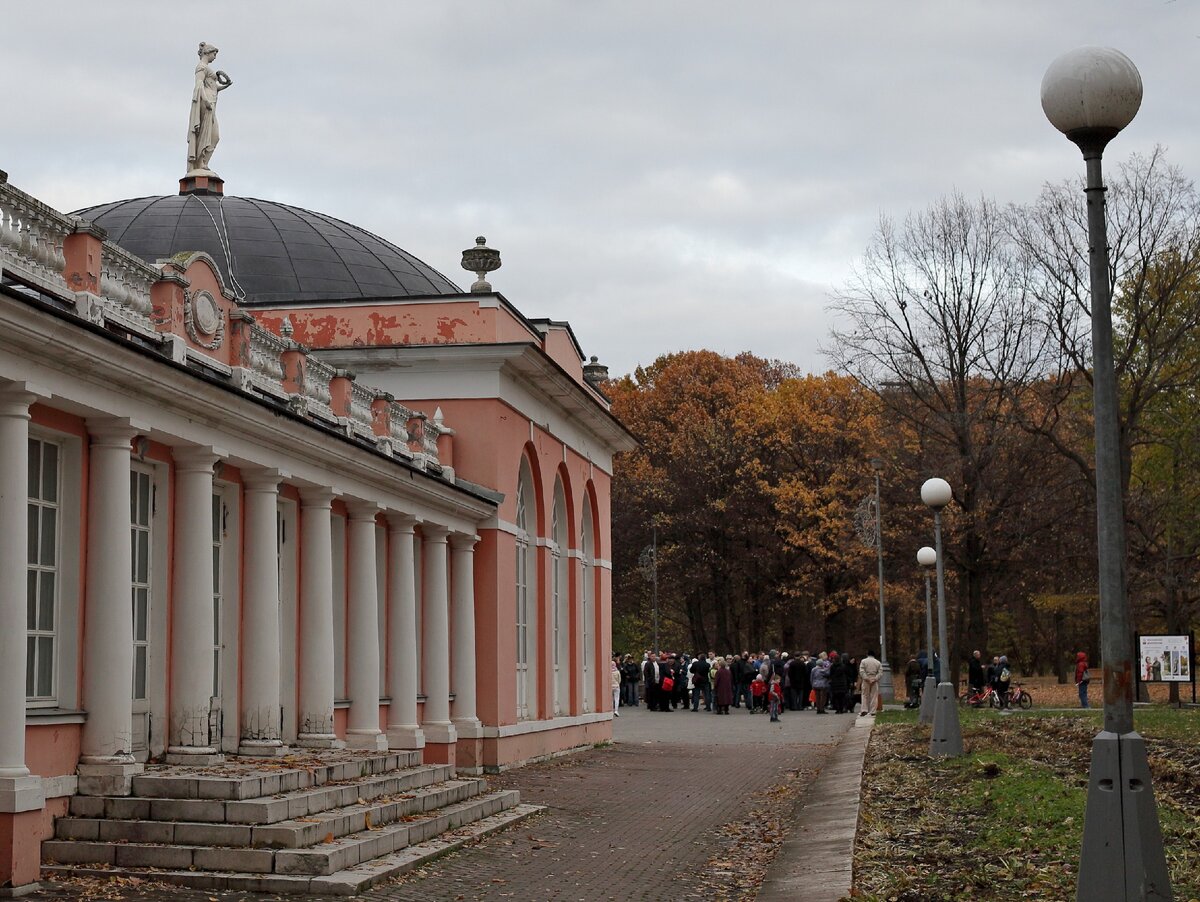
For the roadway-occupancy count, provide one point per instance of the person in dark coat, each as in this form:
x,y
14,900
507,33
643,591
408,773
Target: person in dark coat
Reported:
x,y
736,667
679,670
632,676
803,677
839,683
700,686
723,687
975,676
912,679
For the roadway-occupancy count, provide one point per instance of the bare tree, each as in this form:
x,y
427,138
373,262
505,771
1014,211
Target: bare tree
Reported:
x,y
1154,260
938,320
1154,228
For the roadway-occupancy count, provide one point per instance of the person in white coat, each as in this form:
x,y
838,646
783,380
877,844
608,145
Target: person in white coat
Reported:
x,y
869,672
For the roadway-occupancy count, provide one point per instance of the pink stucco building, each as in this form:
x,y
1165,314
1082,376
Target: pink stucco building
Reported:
x,y
272,484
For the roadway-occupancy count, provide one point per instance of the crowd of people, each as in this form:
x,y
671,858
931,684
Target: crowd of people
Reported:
x,y
770,682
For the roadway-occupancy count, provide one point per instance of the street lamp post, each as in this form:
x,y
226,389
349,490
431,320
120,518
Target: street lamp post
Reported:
x,y
927,557
946,739
1090,94
887,688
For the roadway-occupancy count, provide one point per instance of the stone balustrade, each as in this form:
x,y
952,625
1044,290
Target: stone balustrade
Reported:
x,y
266,361
360,421
32,236
125,282
315,390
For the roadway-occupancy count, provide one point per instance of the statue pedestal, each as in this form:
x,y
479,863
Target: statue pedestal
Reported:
x,y
202,181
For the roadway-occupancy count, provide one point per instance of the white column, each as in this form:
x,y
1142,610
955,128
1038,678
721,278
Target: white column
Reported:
x,y
362,730
435,658
19,791
316,620
403,732
105,763
261,730
462,556
192,609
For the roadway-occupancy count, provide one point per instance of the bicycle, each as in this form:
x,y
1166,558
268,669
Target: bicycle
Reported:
x,y
1019,697
985,696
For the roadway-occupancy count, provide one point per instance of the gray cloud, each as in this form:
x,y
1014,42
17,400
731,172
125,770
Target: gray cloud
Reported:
x,y
664,175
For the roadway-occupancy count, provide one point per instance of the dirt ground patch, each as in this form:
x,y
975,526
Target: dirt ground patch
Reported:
x,y
1005,821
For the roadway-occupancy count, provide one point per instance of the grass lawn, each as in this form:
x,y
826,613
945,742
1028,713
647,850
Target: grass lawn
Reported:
x,y
1005,821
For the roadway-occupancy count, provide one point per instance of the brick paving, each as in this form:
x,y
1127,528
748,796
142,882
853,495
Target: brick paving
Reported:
x,y
635,820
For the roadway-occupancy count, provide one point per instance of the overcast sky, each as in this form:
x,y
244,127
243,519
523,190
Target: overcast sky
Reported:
x,y
663,175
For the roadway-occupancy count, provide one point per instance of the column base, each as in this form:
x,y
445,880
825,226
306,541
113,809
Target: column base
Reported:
x,y
319,741
468,728
374,740
405,736
440,742
107,778
21,794
262,748
439,731
202,756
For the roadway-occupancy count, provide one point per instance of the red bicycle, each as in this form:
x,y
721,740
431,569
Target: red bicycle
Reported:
x,y
1019,697
979,698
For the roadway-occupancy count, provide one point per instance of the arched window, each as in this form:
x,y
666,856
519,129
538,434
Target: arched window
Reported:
x,y
526,588
560,592
587,560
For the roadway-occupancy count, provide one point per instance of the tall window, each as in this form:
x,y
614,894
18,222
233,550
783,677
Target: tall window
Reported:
x,y
42,596
587,550
559,599
141,507
526,627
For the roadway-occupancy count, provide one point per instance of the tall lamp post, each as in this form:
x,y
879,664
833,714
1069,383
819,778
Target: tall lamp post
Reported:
x,y
946,740
1089,95
927,557
887,688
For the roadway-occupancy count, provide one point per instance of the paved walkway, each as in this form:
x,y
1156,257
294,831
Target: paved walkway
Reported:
x,y
636,820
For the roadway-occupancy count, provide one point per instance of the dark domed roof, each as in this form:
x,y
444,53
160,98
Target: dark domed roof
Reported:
x,y
270,252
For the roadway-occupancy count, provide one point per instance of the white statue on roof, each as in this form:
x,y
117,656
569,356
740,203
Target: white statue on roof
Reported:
x,y
203,131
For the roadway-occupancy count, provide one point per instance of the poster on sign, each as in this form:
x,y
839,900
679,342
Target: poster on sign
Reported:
x,y
1165,659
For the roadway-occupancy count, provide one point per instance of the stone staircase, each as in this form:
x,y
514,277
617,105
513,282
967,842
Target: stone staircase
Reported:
x,y
323,823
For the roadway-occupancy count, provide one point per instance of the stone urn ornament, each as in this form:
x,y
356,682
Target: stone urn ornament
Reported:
x,y
481,260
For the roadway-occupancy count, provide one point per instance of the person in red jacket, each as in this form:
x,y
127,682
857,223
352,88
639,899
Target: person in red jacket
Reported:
x,y
758,689
1082,676
775,697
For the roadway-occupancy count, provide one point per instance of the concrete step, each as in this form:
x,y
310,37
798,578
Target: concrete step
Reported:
x,y
323,860
283,806
255,778
346,882
294,833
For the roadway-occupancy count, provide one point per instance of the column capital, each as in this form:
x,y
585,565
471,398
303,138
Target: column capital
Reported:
x,y
362,510
17,397
316,496
195,458
401,522
113,432
261,479
463,541
435,533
